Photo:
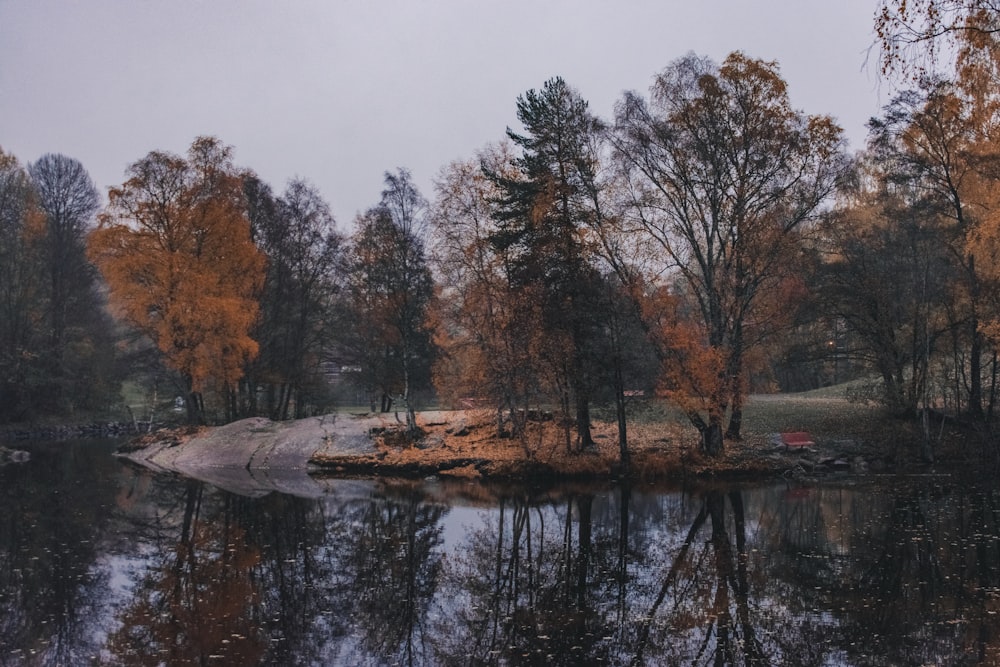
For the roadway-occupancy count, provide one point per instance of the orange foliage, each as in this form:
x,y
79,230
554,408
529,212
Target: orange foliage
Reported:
x,y
175,249
488,332
694,372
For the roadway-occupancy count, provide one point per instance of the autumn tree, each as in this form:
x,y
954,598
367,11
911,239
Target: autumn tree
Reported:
x,y
885,274
304,254
174,246
928,138
723,173
544,216
483,329
912,34
390,289
950,131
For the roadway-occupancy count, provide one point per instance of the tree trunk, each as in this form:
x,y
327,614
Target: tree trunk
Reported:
x,y
195,408
735,419
271,400
584,439
229,394
564,404
411,417
976,373
286,400
711,437
623,455
976,346
711,432
735,382
926,445
992,400
248,397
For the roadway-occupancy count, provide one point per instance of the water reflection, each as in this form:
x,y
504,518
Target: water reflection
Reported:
x,y
106,564
51,525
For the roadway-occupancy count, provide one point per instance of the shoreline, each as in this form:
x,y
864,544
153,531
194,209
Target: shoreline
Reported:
x,y
254,455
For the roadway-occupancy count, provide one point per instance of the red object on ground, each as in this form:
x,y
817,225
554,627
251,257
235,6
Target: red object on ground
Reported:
x,y
797,439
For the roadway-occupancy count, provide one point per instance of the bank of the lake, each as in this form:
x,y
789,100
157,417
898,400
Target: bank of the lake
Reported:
x,y
849,437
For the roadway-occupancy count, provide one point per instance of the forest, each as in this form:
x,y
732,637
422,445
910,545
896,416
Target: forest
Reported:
x,y
706,242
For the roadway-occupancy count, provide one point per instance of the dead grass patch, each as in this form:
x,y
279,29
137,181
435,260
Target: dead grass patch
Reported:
x,y
662,444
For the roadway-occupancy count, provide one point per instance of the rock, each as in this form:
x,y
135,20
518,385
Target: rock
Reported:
x,y
430,442
256,456
460,429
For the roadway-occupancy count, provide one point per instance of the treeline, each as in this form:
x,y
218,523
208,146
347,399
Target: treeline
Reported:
x,y
57,344
707,241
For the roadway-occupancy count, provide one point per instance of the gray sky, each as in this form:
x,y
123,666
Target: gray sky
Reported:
x,y
339,91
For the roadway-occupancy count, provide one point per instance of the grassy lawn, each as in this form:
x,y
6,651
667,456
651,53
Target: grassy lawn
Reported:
x,y
833,421
825,413
822,416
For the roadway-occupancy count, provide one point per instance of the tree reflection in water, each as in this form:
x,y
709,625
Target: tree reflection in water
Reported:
x,y
389,562
540,592
139,569
50,531
278,580
794,576
527,588
200,602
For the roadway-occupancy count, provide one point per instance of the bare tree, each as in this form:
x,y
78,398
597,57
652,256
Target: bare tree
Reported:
x,y
914,34
69,200
304,251
390,288
722,173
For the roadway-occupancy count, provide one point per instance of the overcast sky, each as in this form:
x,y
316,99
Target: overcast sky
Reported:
x,y
339,91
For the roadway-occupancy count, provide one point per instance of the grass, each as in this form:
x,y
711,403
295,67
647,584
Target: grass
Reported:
x,y
822,415
837,424
662,441
825,413
842,390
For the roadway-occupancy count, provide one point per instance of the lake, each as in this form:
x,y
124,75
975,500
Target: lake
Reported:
x,y
105,563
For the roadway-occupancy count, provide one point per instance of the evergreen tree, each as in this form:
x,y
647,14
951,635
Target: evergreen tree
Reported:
x,y
544,216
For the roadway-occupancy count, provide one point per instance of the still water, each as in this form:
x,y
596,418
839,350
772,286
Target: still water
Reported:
x,y
103,563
